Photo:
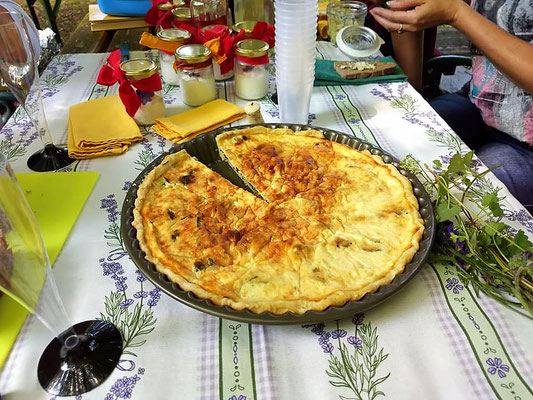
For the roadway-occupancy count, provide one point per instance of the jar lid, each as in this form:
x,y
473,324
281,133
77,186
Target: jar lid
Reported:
x,y
251,48
165,6
248,26
193,53
181,13
138,68
178,3
174,35
358,41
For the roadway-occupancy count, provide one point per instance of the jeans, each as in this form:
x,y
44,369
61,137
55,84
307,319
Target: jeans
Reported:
x,y
490,145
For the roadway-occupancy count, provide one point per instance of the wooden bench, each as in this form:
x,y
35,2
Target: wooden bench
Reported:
x,y
83,40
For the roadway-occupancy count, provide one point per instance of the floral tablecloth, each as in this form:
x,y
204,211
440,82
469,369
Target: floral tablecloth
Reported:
x,y
434,339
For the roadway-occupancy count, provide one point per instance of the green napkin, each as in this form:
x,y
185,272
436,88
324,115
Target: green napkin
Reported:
x,y
325,75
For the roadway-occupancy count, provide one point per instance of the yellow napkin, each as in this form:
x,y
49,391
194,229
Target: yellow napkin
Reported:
x,y
205,118
100,127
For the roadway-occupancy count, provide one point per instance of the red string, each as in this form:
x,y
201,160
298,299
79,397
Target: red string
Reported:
x,y
111,73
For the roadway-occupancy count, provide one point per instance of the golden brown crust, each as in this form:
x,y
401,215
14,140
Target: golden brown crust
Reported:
x,y
333,223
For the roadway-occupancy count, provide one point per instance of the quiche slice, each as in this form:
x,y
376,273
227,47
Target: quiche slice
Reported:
x,y
329,224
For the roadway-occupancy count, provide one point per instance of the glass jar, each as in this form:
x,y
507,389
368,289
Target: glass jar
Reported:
x,y
152,104
208,12
248,27
181,14
195,72
251,76
166,59
216,67
344,13
246,10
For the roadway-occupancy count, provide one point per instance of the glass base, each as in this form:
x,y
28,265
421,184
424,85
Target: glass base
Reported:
x,y
51,158
75,364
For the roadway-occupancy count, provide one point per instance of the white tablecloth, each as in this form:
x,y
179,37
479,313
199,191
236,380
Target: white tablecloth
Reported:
x,y
434,339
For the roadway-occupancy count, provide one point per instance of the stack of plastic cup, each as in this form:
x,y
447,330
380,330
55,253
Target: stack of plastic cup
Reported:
x,y
296,27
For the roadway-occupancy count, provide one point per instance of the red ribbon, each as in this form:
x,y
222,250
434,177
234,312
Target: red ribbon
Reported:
x,y
111,73
159,18
264,32
253,60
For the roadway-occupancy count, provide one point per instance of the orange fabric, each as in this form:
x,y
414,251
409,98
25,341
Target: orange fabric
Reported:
x,y
154,42
214,46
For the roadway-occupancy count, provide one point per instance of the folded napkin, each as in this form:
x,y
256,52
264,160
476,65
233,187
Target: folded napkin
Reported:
x,y
205,118
325,75
100,127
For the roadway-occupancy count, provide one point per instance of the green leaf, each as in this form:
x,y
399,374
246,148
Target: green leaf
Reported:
x,y
339,384
456,164
491,201
446,212
137,344
522,240
493,228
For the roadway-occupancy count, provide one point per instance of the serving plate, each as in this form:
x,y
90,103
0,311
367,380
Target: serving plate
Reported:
x,y
204,148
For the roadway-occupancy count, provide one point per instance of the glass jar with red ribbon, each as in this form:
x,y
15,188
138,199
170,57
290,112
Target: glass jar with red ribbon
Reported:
x,y
251,75
166,59
223,33
208,12
138,72
195,72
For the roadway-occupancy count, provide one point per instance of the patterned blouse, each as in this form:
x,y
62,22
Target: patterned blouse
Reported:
x,y
503,105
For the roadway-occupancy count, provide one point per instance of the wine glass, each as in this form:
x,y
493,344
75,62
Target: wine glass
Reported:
x,y
18,69
81,356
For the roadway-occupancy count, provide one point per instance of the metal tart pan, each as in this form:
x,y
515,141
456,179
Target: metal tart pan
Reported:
x,y
204,148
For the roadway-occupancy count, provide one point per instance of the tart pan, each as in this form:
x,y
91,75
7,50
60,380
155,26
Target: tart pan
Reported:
x,y
204,148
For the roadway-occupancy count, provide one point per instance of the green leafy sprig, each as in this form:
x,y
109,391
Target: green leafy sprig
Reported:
x,y
488,254
357,371
132,323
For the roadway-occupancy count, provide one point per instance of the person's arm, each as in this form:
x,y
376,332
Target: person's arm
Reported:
x,y
408,48
512,56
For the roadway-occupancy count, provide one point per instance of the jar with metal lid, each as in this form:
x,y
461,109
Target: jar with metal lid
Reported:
x,y
166,59
251,75
181,14
195,72
219,76
152,104
248,27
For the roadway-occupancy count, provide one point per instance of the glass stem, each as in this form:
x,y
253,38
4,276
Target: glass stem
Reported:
x,y
34,107
50,309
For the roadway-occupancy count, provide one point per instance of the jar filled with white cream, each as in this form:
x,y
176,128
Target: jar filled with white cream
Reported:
x,y
195,73
251,75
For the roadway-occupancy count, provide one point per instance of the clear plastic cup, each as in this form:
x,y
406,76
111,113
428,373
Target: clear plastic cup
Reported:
x,y
294,100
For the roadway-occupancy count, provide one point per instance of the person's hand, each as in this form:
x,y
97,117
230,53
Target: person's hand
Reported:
x,y
415,15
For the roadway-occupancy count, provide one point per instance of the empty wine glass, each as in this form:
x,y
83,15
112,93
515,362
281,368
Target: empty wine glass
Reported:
x,y
81,356
18,69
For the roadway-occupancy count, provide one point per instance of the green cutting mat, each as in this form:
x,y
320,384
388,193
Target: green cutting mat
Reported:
x,y
56,200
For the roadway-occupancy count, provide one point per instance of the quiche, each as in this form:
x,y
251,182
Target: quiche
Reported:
x,y
322,224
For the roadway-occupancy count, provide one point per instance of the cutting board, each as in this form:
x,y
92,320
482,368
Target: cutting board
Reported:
x,y
56,199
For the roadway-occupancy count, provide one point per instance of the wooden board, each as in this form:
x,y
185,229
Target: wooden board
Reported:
x,y
103,22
